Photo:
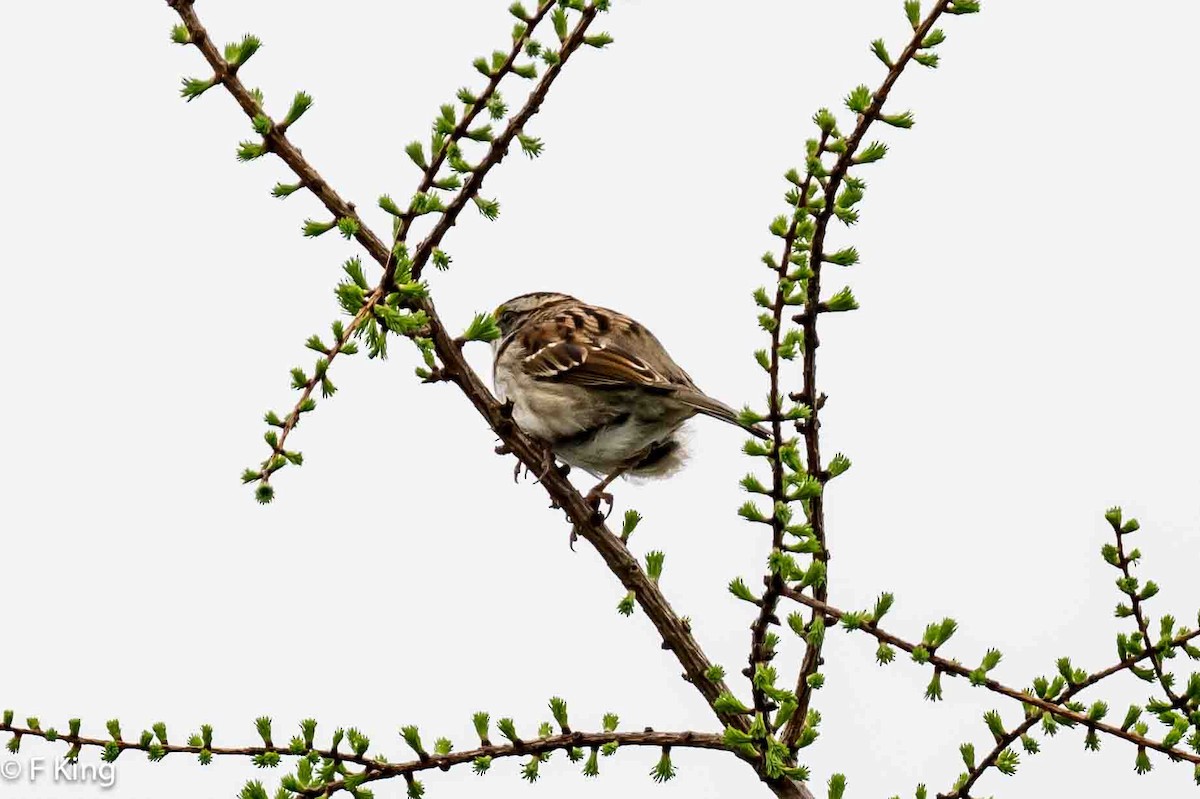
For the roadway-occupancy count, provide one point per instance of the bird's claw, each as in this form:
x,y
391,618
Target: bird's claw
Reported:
x,y
505,449
596,497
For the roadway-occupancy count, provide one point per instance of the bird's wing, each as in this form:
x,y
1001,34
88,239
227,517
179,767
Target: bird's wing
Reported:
x,y
600,348
595,365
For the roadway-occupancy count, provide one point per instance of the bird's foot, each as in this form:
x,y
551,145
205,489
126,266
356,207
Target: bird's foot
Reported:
x,y
505,449
597,497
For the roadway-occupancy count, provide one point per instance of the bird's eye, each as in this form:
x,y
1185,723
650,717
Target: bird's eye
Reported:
x,y
505,318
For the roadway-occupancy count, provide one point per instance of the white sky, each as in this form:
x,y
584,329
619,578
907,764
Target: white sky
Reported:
x,y
1024,358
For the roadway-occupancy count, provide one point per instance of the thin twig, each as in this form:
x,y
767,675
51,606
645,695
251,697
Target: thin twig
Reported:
x,y
774,582
438,158
1007,740
499,148
1151,652
811,427
384,769
1144,625
542,746
958,670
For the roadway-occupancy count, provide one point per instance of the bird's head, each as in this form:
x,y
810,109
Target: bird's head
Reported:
x,y
511,313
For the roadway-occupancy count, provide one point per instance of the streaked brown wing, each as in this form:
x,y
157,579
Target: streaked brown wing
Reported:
x,y
583,345
597,347
601,366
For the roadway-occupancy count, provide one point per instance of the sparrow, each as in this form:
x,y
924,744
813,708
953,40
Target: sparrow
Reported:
x,y
597,388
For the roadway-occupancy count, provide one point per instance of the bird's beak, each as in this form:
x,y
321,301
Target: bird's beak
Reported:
x,y
499,310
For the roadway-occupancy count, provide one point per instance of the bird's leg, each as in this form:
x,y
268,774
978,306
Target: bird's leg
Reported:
x,y
598,495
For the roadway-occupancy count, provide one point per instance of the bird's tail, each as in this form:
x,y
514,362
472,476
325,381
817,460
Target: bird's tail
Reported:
x,y
719,410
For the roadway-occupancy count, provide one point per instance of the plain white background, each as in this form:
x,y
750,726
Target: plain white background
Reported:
x,y
1024,358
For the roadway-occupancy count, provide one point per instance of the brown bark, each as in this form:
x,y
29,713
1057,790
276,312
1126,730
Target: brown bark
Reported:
x,y
789,789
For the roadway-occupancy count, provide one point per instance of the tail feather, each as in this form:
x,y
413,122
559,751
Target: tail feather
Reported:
x,y
719,410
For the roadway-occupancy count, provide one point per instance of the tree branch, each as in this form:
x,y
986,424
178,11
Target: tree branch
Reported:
x,y
377,769
1008,739
811,427
1143,625
438,158
542,746
1057,708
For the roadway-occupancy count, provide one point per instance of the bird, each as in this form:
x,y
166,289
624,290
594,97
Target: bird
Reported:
x,y
597,388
